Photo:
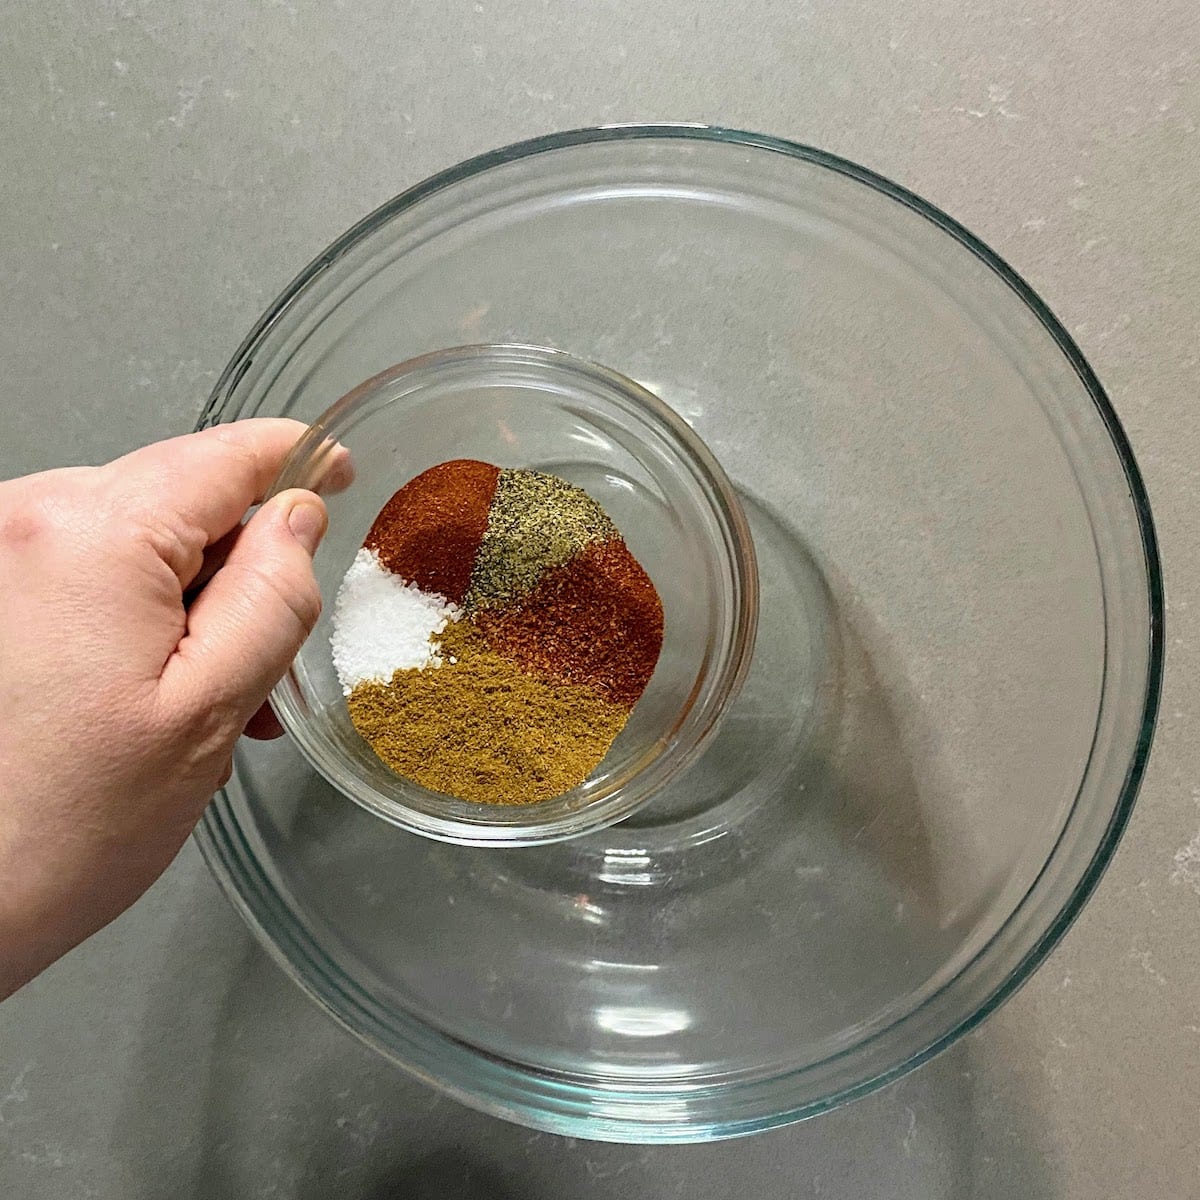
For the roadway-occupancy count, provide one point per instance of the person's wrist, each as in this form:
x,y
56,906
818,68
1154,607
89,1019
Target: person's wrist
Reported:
x,y
17,964
27,935
15,968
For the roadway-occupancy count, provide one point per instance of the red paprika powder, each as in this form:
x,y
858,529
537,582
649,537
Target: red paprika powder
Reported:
x,y
429,532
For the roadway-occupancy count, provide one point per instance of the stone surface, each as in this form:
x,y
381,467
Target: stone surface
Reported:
x,y
169,165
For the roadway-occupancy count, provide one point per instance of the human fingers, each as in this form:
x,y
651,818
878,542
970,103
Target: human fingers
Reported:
x,y
213,560
335,473
245,627
191,491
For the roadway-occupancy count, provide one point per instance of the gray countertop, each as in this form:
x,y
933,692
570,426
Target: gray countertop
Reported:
x,y
169,165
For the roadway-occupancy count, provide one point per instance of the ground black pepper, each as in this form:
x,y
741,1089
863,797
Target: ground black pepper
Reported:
x,y
536,522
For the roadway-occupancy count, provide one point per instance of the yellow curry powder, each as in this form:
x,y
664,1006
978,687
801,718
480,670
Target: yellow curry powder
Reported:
x,y
482,728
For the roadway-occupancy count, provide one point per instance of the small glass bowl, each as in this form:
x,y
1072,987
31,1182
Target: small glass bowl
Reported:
x,y
522,406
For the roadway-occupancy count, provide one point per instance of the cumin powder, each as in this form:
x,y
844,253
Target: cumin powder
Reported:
x,y
482,728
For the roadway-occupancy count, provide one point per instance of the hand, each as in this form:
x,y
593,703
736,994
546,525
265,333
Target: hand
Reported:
x,y
141,628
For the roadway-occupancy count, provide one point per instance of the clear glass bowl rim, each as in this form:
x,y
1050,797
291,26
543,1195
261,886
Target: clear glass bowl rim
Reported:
x,y
543,1099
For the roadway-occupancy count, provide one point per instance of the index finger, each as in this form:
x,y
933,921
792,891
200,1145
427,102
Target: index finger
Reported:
x,y
212,477
198,487
209,478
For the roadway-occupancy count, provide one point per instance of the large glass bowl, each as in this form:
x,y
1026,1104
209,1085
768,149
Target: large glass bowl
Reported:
x,y
951,697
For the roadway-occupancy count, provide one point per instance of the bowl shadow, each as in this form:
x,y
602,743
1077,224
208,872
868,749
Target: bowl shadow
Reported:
x,y
278,1101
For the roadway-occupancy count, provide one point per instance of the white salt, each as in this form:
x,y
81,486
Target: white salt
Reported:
x,y
382,625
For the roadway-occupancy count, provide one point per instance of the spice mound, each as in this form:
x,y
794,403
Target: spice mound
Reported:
x,y
494,633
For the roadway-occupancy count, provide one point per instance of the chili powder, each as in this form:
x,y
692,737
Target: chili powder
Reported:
x,y
597,620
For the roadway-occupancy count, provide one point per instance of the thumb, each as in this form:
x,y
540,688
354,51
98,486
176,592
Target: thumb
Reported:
x,y
250,620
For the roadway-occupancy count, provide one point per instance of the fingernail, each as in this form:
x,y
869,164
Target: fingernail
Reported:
x,y
307,522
